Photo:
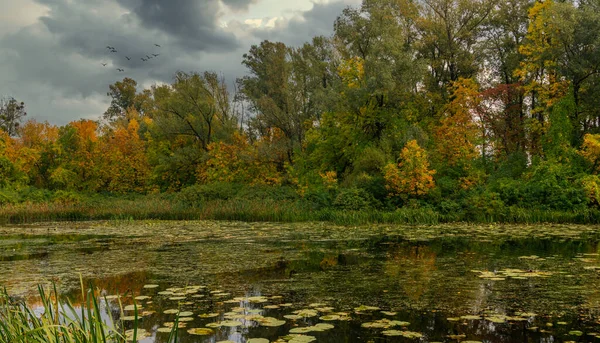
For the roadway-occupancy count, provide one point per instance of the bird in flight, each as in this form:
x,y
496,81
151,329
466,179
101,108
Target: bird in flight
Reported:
x,y
148,57
143,59
104,64
110,47
119,69
157,45
155,55
128,58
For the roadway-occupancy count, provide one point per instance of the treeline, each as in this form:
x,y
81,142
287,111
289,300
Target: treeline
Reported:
x,y
456,106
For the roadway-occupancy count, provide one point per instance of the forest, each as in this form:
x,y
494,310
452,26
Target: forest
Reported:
x,y
462,110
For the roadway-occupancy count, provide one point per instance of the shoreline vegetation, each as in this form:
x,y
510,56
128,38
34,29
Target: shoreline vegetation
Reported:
x,y
488,113
62,322
264,208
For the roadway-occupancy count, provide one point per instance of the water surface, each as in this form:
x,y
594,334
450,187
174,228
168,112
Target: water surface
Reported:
x,y
372,284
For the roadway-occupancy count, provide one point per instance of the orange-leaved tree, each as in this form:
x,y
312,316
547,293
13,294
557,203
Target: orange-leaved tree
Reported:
x,y
125,166
457,134
412,176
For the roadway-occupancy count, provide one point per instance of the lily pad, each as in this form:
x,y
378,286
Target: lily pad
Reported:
x,y
407,334
200,331
364,308
300,339
208,315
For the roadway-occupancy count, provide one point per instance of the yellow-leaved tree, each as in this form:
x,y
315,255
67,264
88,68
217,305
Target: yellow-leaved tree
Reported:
x,y
590,150
457,134
125,162
538,71
412,176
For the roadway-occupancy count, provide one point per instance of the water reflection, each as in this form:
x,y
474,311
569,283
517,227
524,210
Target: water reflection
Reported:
x,y
425,278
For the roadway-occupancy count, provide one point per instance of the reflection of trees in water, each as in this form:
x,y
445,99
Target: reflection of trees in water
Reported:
x,y
413,266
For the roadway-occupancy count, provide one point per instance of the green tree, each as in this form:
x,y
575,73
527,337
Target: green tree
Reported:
x,y
12,113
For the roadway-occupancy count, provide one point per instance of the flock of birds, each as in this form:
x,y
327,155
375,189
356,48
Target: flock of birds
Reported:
x,y
146,58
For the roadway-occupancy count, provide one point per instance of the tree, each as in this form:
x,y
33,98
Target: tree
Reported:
x,y
457,134
124,166
450,33
124,98
12,113
412,176
590,150
188,116
539,69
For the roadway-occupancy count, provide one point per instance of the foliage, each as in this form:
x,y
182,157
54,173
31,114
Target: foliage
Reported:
x,y
412,176
500,97
12,113
354,199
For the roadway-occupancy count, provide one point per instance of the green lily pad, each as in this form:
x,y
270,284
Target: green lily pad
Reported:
x,y
306,313
270,322
231,323
300,339
292,316
329,317
150,286
258,340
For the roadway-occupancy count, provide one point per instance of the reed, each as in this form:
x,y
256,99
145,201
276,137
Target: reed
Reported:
x,y
253,210
61,322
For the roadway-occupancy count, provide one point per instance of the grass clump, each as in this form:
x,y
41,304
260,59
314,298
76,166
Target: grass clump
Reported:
x,y
61,322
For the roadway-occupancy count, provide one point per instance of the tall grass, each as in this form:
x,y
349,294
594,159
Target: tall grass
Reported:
x,y
147,208
60,322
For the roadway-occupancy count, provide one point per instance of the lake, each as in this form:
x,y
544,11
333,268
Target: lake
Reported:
x,y
319,282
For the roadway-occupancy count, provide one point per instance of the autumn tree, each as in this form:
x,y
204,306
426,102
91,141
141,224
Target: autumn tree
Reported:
x,y
590,150
412,176
124,166
457,133
38,151
77,167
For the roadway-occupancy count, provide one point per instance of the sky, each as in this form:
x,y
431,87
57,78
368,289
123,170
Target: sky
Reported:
x,y
52,51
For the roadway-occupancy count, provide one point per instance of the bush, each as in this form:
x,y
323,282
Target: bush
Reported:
x,y
354,199
482,206
67,197
550,186
196,194
317,199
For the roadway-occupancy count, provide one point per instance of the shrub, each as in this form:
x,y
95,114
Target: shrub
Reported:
x,y
354,199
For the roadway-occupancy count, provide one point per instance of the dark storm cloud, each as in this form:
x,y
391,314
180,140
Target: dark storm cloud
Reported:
x,y
239,4
193,22
55,64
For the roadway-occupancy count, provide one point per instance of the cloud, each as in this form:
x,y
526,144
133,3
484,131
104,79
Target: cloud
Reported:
x,y
54,63
193,23
300,28
238,5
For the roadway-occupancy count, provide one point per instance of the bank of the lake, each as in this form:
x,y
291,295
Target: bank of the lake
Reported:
x,y
160,207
